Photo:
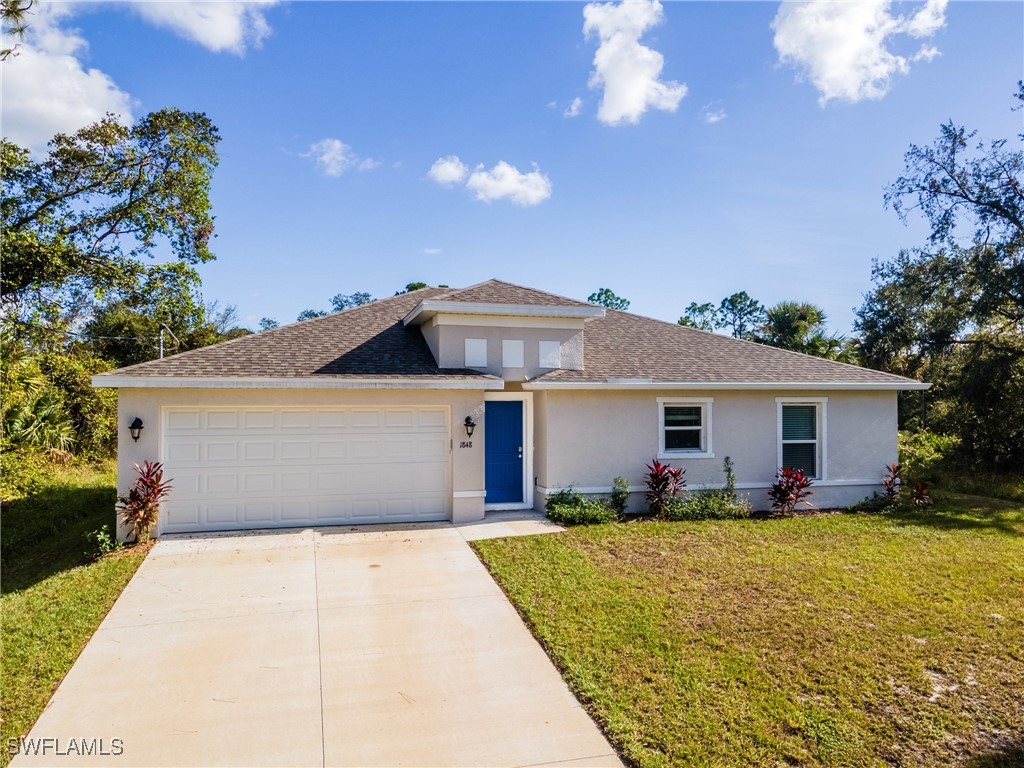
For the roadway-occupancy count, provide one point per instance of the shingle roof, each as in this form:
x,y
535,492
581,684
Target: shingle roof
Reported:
x,y
621,345
363,342
371,342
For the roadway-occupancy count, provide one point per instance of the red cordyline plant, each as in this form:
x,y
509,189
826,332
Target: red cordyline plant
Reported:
x,y
892,481
789,490
920,495
664,483
140,507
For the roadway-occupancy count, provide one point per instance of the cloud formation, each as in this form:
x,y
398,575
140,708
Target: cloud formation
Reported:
x,y
217,26
505,181
448,171
46,90
712,116
626,70
502,182
574,108
843,47
333,157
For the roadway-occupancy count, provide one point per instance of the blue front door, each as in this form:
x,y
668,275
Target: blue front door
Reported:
x,y
503,451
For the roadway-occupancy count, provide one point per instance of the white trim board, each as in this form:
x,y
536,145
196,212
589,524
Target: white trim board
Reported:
x,y
430,307
468,494
252,382
710,386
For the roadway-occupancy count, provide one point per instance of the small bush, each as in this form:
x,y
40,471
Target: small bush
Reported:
x,y
920,495
706,505
789,490
891,481
571,508
619,496
664,483
875,503
101,542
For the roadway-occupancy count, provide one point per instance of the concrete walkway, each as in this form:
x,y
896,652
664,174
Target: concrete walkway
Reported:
x,y
370,646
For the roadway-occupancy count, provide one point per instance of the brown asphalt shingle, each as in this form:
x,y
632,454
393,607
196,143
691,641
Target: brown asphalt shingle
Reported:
x,y
372,342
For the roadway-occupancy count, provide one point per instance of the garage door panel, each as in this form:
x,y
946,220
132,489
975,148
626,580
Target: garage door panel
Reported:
x,y
235,468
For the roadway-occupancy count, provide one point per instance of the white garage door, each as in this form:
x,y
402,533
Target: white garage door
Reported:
x,y
235,468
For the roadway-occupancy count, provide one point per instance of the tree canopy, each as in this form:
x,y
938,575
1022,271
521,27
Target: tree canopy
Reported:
x,y
605,297
81,218
952,310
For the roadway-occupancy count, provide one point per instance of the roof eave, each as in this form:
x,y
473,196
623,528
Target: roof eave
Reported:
x,y
646,384
427,308
109,381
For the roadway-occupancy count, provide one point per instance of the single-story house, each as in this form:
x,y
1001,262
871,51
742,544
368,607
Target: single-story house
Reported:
x,y
443,404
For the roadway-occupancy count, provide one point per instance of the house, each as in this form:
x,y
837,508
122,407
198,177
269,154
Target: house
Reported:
x,y
442,404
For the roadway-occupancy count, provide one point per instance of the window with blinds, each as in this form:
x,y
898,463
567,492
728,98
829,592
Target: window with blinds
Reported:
x,y
800,438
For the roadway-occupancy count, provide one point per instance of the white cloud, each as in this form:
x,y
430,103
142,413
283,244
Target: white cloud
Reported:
x,y
431,251
46,90
218,26
843,47
626,70
574,108
505,181
333,157
712,116
448,171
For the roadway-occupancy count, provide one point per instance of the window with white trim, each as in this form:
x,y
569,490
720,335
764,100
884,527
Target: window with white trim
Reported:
x,y
801,428
684,427
476,353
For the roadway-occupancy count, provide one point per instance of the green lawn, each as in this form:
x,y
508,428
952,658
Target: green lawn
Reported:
x,y
845,640
54,595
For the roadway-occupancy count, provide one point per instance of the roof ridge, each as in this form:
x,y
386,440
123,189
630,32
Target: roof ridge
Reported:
x,y
498,281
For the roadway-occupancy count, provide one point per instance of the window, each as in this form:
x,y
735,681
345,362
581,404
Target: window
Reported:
x,y
550,354
476,353
512,353
685,427
801,431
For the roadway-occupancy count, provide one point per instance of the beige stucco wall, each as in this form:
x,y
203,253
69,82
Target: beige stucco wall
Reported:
x,y
586,438
146,403
448,342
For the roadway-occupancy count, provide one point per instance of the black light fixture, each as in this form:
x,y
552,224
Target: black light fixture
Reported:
x,y
135,428
470,426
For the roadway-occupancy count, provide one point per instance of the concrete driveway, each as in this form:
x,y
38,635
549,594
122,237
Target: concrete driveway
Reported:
x,y
373,646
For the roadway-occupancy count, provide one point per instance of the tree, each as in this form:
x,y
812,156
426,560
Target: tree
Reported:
x,y
800,327
410,287
343,301
741,314
14,23
309,314
953,310
701,316
268,324
103,197
606,298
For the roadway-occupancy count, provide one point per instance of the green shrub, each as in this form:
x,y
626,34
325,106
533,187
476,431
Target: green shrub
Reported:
x,y
620,495
571,508
923,453
101,542
877,502
707,505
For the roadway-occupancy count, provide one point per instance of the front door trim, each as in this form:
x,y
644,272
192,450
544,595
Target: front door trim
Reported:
x,y
527,399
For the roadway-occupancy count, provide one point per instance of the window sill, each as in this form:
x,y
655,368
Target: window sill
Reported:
x,y
679,455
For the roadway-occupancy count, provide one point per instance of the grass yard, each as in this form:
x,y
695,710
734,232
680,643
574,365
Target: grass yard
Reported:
x,y
54,595
841,640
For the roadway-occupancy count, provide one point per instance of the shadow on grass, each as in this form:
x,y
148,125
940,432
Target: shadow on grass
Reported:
x,y
1010,756
965,513
45,533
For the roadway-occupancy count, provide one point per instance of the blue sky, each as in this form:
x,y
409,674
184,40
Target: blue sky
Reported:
x,y
333,115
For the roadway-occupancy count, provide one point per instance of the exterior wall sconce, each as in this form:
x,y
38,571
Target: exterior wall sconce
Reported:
x,y
470,426
135,428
